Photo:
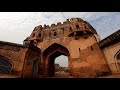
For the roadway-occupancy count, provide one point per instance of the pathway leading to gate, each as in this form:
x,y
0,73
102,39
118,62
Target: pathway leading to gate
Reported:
x,y
62,74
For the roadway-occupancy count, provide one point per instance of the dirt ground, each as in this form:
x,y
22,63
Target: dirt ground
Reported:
x,y
8,76
114,75
62,74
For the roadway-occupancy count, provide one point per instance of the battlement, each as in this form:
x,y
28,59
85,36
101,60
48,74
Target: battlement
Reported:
x,y
69,28
68,21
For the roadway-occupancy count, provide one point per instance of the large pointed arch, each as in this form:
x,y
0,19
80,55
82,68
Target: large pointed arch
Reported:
x,y
56,47
49,56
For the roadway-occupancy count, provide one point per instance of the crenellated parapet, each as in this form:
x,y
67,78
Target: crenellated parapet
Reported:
x,y
73,27
110,40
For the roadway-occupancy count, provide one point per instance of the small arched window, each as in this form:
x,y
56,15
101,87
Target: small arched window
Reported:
x,y
91,48
55,34
62,29
39,35
77,26
70,29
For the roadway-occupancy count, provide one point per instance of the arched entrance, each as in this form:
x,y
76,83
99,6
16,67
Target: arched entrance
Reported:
x,y
49,56
61,67
5,65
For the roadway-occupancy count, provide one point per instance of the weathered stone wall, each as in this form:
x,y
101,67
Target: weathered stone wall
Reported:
x,y
59,30
61,41
111,46
110,53
32,55
85,57
76,46
91,63
15,53
20,56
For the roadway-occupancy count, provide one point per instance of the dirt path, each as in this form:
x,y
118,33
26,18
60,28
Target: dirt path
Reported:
x,y
61,74
8,76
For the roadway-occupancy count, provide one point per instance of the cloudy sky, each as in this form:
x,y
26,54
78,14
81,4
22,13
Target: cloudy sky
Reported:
x,y
16,26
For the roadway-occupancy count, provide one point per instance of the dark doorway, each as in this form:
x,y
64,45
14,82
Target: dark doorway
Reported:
x,y
35,68
51,65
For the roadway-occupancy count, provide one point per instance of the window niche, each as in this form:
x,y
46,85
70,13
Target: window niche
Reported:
x,y
92,48
62,29
77,26
55,34
70,29
39,35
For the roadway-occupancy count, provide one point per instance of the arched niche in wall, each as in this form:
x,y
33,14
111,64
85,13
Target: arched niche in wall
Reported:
x,y
117,58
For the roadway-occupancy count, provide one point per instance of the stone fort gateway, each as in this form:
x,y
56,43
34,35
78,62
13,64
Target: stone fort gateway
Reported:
x,y
88,55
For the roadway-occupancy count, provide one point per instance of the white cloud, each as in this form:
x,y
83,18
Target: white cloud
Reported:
x,y
86,15
16,26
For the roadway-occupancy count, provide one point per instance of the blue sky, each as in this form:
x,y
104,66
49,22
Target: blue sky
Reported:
x,y
16,26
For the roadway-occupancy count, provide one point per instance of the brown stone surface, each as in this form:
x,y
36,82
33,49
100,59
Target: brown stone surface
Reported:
x,y
17,55
88,56
31,56
110,53
76,39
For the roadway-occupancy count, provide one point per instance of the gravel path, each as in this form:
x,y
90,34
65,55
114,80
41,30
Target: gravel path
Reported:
x,y
61,74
